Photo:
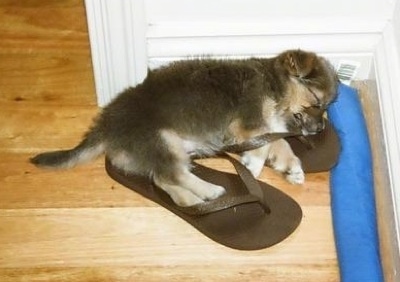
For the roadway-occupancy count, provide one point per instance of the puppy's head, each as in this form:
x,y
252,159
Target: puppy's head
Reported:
x,y
312,86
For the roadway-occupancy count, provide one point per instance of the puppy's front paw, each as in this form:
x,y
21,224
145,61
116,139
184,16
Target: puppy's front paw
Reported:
x,y
253,164
291,167
294,172
295,176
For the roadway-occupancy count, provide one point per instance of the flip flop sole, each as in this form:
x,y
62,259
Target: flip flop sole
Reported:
x,y
244,227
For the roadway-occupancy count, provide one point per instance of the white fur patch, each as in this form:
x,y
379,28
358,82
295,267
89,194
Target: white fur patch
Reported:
x,y
253,163
295,174
123,161
277,124
197,148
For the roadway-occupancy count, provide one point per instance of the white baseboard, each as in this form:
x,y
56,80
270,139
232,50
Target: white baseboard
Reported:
x,y
117,33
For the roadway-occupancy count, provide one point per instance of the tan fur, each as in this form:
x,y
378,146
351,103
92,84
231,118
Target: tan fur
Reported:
x,y
241,134
175,144
299,95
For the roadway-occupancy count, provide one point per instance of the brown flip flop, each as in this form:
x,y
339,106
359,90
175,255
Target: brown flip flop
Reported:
x,y
317,152
251,215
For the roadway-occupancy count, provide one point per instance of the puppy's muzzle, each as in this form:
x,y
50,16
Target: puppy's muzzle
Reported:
x,y
320,126
311,122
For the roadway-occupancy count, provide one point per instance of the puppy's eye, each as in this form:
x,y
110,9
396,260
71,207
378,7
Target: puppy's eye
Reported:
x,y
303,79
316,98
317,106
298,116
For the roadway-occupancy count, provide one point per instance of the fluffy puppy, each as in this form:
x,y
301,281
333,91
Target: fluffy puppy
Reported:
x,y
198,107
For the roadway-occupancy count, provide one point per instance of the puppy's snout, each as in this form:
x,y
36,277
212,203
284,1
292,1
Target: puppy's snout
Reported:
x,y
320,126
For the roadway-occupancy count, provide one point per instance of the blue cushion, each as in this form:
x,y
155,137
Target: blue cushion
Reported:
x,y
352,193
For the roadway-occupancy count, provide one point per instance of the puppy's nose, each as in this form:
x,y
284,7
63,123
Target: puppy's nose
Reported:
x,y
320,127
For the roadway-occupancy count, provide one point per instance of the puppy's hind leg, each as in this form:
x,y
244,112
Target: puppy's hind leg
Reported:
x,y
203,189
186,189
179,195
172,174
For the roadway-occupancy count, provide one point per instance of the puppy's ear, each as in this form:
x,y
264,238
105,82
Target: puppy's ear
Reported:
x,y
299,63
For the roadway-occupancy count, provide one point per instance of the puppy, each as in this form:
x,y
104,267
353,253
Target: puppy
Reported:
x,y
198,107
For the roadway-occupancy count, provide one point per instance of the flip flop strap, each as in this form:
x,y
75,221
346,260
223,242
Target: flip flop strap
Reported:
x,y
250,182
258,141
218,204
255,194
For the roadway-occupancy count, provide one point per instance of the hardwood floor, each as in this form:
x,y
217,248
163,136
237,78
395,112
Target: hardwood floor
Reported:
x,y
44,53
78,224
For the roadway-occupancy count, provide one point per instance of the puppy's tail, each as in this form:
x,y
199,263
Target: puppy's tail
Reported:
x,y
90,148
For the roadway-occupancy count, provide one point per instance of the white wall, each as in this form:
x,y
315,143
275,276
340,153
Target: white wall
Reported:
x,y
127,36
256,27
396,24
159,11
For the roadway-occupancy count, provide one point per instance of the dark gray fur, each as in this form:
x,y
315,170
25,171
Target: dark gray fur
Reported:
x,y
198,99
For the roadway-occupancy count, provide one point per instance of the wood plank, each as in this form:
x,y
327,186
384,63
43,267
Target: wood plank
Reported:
x,y
46,24
45,53
135,236
25,186
32,128
152,273
53,78
385,207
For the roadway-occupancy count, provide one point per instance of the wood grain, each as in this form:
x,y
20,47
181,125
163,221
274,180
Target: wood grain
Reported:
x,y
42,126
97,237
134,236
385,206
78,224
25,186
44,52
151,273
